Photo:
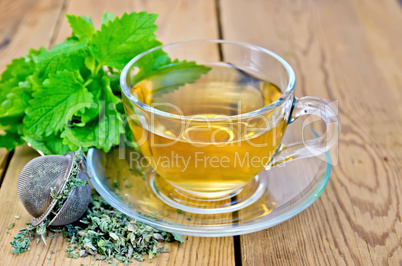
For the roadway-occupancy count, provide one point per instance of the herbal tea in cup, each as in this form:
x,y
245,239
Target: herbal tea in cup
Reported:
x,y
209,151
210,115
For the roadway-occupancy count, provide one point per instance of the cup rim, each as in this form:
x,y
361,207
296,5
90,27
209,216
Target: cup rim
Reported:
x,y
288,92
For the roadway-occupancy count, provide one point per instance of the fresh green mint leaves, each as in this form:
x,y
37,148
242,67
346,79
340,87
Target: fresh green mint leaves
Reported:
x,y
69,96
53,103
118,40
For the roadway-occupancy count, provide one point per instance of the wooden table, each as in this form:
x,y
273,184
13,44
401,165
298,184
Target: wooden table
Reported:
x,y
346,50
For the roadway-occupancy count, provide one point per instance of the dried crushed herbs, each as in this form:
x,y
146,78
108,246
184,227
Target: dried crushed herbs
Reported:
x,y
104,233
22,239
183,212
72,182
11,226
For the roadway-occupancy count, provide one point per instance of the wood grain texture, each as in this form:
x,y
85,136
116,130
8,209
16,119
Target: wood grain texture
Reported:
x,y
340,50
26,24
178,20
11,207
347,51
199,22
3,162
3,159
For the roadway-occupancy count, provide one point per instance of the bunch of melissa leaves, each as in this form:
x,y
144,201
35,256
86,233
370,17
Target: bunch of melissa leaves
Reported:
x,y
60,99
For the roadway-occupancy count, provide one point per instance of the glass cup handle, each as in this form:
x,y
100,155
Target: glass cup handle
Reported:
x,y
307,148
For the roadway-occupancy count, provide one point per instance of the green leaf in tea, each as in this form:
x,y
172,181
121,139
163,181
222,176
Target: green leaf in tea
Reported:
x,y
171,76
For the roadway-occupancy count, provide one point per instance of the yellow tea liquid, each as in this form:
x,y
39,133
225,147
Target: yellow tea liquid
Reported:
x,y
205,155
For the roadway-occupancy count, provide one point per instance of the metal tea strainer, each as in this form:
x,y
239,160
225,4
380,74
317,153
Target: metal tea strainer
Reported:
x,y
42,174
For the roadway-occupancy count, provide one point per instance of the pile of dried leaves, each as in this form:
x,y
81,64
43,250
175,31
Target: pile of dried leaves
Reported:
x,y
104,233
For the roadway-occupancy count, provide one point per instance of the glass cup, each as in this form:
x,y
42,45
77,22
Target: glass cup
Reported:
x,y
209,115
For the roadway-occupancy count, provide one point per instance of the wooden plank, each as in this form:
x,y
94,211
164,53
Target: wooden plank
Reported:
x,y
346,51
173,26
11,207
3,162
24,24
178,20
